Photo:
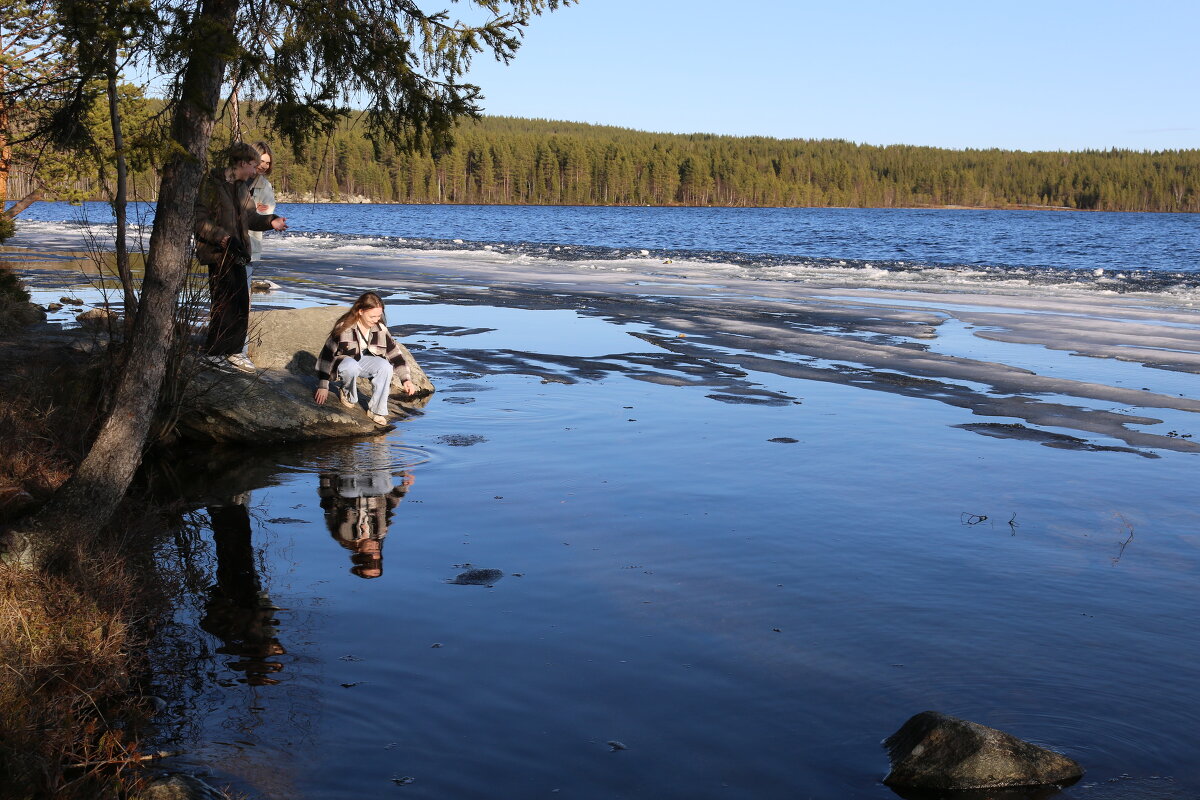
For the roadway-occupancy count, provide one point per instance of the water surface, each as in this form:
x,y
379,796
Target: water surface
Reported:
x,y
741,525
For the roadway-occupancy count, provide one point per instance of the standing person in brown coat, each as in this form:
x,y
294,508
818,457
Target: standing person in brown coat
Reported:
x,y
225,213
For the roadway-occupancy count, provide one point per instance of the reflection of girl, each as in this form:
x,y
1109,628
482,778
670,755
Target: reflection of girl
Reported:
x,y
358,509
360,345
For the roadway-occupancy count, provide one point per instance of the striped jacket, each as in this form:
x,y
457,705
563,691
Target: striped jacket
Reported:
x,y
348,345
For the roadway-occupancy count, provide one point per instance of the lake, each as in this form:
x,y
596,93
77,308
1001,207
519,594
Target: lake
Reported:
x,y
708,502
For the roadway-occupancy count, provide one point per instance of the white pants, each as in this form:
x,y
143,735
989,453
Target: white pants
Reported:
x,y
378,370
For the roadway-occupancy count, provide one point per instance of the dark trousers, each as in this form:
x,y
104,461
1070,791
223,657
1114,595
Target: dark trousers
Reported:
x,y
230,314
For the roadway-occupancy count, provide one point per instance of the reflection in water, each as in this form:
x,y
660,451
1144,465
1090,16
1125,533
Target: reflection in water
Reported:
x,y
237,610
358,506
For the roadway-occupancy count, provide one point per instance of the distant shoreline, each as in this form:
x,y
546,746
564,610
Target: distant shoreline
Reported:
x,y
282,198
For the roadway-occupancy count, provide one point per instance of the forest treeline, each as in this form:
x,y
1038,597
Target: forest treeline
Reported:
x,y
504,160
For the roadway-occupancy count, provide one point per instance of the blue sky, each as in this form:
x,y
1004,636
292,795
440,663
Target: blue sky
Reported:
x,y
1049,75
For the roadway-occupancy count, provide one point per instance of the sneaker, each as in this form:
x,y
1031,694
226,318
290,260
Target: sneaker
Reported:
x,y
241,362
344,396
378,419
216,362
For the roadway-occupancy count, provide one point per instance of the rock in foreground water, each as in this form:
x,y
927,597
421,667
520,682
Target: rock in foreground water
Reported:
x,y
936,751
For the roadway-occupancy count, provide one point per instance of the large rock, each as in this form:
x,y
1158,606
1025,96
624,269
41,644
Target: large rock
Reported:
x,y
936,751
291,340
17,315
276,405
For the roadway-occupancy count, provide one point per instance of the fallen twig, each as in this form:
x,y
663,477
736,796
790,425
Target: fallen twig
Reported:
x,y
126,759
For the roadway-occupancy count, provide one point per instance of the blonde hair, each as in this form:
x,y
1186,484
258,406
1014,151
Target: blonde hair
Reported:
x,y
366,300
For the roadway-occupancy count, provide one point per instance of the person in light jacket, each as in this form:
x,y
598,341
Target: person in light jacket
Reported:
x,y
263,195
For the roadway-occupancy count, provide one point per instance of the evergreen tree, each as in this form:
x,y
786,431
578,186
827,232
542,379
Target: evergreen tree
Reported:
x,y
305,61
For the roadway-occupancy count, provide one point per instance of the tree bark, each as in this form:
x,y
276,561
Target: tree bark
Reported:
x,y
5,147
235,116
86,502
121,197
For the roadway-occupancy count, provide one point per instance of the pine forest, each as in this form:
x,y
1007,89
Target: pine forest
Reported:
x,y
504,160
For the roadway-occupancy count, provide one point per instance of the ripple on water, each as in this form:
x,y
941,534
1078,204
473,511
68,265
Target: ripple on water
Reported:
x,y
381,454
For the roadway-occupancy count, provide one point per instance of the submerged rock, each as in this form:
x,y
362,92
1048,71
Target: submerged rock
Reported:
x,y
478,577
937,751
461,439
179,786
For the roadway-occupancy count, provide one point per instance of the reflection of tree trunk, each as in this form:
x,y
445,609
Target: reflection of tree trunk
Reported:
x,y
237,574
87,501
236,611
120,200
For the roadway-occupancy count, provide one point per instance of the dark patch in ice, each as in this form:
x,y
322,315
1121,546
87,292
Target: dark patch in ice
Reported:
x,y
737,399
409,331
1061,441
729,344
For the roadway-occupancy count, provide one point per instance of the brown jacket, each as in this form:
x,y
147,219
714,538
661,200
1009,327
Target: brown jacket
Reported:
x,y
225,208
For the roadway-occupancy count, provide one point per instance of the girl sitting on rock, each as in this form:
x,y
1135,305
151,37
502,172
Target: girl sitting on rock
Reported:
x,y
360,345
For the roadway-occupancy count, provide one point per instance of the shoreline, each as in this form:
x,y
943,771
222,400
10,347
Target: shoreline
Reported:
x,y
308,199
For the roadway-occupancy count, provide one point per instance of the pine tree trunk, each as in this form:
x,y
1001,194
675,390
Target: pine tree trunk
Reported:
x,y
86,502
5,148
121,197
24,203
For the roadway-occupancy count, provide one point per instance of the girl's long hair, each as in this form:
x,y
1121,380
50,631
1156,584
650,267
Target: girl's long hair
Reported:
x,y
365,301
264,149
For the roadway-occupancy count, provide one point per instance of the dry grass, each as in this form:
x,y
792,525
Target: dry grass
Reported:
x,y
65,669
72,635
14,302
45,431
